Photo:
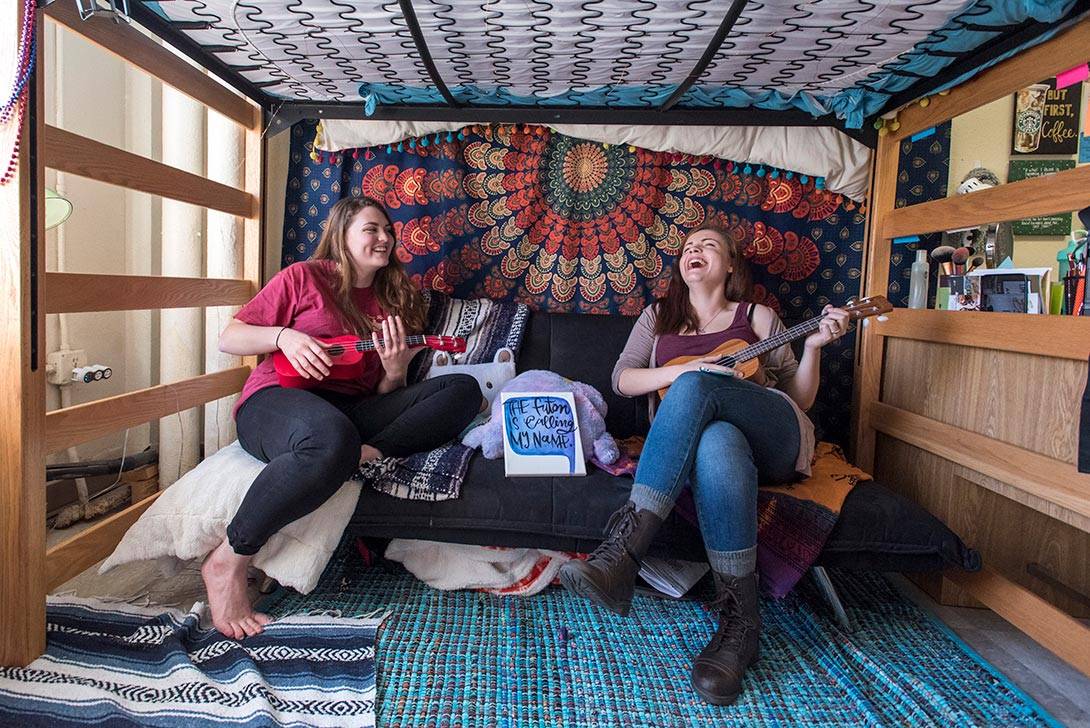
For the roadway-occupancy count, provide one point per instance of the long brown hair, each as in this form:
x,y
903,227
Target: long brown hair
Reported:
x,y
394,290
675,313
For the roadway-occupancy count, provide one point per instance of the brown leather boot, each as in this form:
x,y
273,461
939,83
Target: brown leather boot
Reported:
x,y
608,577
719,668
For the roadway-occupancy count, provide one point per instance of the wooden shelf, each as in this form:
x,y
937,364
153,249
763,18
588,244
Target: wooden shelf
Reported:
x,y
1057,193
1052,487
1063,337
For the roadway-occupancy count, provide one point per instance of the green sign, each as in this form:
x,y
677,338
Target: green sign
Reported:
x,y
1048,224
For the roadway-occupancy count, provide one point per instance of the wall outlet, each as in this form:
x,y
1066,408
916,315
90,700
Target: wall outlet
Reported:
x,y
59,365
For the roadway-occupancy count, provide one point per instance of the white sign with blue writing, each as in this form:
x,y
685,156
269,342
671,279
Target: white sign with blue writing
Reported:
x,y
541,434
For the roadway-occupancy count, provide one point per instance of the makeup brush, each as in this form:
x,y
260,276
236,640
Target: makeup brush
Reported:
x,y
959,258
942,256
975,262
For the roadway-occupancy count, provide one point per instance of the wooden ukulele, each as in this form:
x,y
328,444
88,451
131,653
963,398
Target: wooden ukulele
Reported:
x,y
742,356
347,354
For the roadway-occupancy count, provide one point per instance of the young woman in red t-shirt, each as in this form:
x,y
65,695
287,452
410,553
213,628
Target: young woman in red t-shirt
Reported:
x,y
314,439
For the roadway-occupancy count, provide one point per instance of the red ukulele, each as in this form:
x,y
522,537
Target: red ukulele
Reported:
x,y
347,355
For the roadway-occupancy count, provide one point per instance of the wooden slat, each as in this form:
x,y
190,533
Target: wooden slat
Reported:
x,y
62,150
1023,399
1065,636
1062,337
1066,50
80,292
1000,525
72,556
143,52
22,388
1062,192
1048,480
868,370
73,425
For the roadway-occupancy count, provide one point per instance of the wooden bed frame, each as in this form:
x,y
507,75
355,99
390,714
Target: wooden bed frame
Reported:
x,y
965,461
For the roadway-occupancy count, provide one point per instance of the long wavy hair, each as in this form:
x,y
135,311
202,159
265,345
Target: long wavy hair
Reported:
x,y
395,292
675,314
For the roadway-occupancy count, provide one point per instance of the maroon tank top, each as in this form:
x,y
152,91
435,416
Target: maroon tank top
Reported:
x,y
671,346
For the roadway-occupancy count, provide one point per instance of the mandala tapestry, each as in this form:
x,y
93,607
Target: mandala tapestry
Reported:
x,y
522,213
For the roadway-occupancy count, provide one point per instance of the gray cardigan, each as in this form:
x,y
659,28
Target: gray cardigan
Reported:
x,y
779,366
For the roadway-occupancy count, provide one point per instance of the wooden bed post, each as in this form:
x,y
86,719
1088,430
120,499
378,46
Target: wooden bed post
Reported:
x,y
868,370
22,385
253,236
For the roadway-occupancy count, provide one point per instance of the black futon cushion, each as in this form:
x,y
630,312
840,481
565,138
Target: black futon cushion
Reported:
x,y
563,514
877,529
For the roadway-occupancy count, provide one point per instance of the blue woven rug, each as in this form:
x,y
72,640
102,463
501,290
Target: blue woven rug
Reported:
x,y
117,665
473,659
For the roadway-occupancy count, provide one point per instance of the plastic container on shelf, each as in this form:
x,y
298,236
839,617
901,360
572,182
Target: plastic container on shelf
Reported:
x,y
918,277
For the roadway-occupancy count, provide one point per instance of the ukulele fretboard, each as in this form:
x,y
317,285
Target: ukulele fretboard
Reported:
x,y
772,342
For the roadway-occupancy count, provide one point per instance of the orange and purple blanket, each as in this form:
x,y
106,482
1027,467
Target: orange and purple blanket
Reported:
x,y
793,521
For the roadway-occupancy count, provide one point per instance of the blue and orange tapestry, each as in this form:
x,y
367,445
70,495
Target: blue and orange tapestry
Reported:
x,y
518,212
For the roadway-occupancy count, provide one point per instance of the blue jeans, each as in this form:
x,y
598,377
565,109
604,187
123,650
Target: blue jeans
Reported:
x,y
722,436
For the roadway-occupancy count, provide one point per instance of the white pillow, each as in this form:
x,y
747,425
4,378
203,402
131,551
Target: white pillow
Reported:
x,y
490,376
190,518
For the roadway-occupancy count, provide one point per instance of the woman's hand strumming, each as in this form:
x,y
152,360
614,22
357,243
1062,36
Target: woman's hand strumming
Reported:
x,y
306,354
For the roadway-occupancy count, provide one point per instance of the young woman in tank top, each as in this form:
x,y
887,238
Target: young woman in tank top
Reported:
x,y
719,433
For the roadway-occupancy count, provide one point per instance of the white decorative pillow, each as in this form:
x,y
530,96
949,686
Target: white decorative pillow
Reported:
x,y
190,518
490,376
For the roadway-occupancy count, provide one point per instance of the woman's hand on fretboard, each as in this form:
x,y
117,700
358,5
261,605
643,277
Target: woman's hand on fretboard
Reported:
x,y
393,348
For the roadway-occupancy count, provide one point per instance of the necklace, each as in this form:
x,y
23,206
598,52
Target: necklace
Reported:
x,y
702,329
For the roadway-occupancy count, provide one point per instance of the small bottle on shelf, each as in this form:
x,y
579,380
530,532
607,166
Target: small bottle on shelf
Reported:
x,y
917,285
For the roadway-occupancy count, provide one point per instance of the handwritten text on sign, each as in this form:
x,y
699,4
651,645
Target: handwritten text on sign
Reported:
x,y
541,425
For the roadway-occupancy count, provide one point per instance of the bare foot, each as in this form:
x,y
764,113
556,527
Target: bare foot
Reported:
x,y
224,574
368,453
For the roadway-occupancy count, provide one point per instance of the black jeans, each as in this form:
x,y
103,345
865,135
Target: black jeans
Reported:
x,y
311,441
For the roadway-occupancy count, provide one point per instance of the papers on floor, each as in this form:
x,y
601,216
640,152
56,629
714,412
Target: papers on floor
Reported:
x,y
672,577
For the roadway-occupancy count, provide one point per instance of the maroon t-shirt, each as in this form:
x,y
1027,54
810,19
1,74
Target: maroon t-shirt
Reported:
x,y
302,297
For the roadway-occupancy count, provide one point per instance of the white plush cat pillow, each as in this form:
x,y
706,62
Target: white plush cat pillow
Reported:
x,y
490,376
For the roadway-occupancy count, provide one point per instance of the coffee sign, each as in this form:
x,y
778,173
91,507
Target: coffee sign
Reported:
x,y
1046,120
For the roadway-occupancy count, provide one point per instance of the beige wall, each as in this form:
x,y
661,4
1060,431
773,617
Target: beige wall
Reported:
x,y
982,138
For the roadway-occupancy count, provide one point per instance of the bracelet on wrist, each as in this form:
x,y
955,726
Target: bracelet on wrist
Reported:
x,y
276,342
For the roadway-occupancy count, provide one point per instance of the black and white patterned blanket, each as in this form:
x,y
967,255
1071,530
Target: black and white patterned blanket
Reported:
x,y
487,326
